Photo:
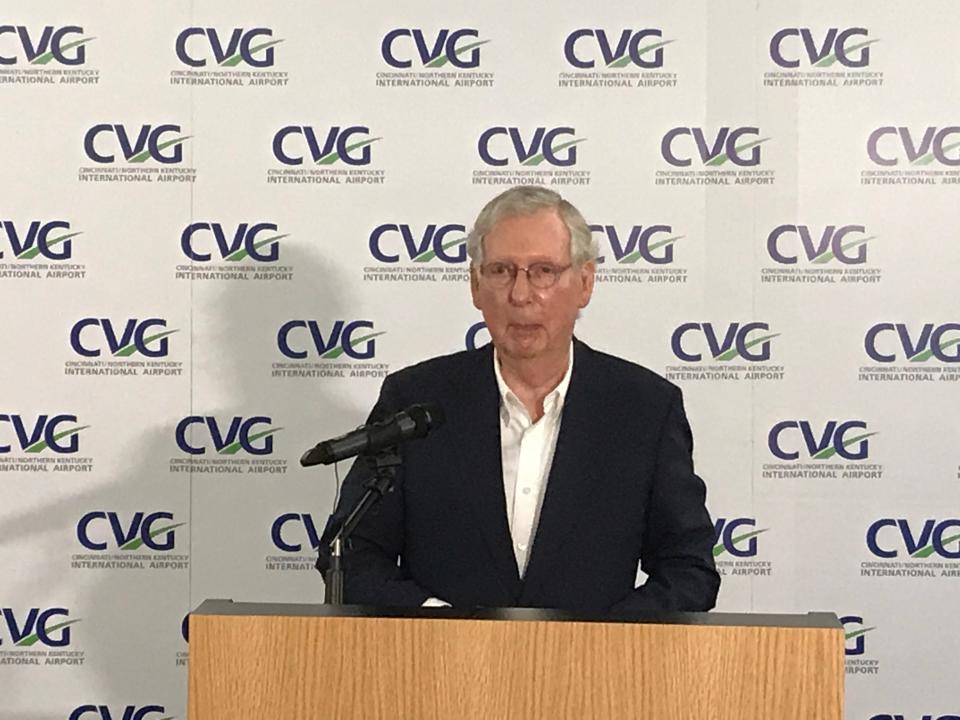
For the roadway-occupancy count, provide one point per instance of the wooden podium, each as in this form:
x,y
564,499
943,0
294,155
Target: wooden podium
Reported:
x,y
314,662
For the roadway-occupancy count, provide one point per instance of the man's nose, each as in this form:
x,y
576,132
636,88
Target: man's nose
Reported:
x,y
520,290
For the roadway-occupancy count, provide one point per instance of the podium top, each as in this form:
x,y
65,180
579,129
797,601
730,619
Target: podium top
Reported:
x,y
825,620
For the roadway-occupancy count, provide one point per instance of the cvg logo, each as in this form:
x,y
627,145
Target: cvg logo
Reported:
x,y
737,341
423,247
241,434
44,433
130,712
338,144
241,46
818,248
162,143
477,334
822,444
882,339
836,46
282,535
545,144
47,626
725,145
27,243
632,47
154,530
340,339
854,630
439,50
135,336
641,242
54,43
940,144
247,240
735,536
936,536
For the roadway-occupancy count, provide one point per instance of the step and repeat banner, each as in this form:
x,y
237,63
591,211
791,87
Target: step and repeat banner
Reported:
x,y
223,223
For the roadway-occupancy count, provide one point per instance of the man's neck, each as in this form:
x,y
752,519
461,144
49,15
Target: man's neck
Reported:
x,y
532,379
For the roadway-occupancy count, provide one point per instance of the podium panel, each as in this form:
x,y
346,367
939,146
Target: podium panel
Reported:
x,y
303,662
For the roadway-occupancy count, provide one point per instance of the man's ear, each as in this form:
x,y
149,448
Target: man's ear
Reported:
x,y
474,285
587,277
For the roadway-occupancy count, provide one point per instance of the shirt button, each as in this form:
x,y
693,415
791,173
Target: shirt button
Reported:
x,y
526,491
521,546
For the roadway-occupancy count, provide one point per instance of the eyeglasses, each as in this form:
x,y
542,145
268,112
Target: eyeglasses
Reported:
x,y
541,275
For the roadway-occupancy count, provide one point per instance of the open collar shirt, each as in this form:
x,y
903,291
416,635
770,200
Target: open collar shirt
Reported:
x,y
526,451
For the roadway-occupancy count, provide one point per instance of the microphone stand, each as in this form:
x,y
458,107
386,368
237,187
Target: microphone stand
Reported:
x,y
385,465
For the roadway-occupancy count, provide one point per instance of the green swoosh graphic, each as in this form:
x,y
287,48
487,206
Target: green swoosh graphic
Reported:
x,y
632,257
721,548
34,251
927,354
32,639
444,59
624,60
232,448
243,252
42,445
721,158
331,157
857,633
832,57
134,544
140,157
234,60
831,451
538,158
828,255
48,56
338,351
428,256
733,352
928,158
128,350
928,550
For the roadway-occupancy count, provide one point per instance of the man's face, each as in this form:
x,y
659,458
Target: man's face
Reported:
x,y
524,321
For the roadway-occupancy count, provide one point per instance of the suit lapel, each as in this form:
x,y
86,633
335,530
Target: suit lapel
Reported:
x,y
568,488
483,470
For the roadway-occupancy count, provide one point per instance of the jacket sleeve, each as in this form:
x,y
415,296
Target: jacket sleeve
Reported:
x,y
677,552
373,574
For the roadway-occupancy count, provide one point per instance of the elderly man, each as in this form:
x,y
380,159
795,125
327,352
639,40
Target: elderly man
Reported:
x,y
559,467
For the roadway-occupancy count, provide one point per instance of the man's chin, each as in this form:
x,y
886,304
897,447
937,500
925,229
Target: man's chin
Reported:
x,y
522,349
521,354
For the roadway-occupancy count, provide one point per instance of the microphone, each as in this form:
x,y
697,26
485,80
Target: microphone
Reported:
x,y
414,422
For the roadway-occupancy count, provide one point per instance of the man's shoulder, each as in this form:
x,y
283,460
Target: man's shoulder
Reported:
x,y
625,376
442,368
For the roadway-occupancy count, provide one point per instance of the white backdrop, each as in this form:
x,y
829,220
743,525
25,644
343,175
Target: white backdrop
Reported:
x,y
223,223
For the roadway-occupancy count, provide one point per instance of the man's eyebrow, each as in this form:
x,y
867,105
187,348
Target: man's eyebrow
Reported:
x,y
533,259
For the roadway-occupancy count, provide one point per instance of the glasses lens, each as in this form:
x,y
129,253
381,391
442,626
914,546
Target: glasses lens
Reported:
x,y
543,275
499,273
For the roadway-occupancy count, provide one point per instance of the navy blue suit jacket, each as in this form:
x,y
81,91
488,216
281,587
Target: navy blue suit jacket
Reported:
x,y
621,490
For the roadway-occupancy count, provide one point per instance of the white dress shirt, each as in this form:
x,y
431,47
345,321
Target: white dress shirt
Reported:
x,y
526,453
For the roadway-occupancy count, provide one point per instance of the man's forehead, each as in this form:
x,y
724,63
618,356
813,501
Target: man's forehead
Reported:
x,y
543,231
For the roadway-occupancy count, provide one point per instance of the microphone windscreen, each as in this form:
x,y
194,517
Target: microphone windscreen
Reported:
x,y
425,417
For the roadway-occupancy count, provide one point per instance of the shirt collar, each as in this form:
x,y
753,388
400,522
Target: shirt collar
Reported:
x,y
511,405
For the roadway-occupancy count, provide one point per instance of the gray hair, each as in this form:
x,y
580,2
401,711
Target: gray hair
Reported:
x,y
527,200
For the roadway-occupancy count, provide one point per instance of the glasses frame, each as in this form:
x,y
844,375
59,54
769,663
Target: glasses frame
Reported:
x,y
514,270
